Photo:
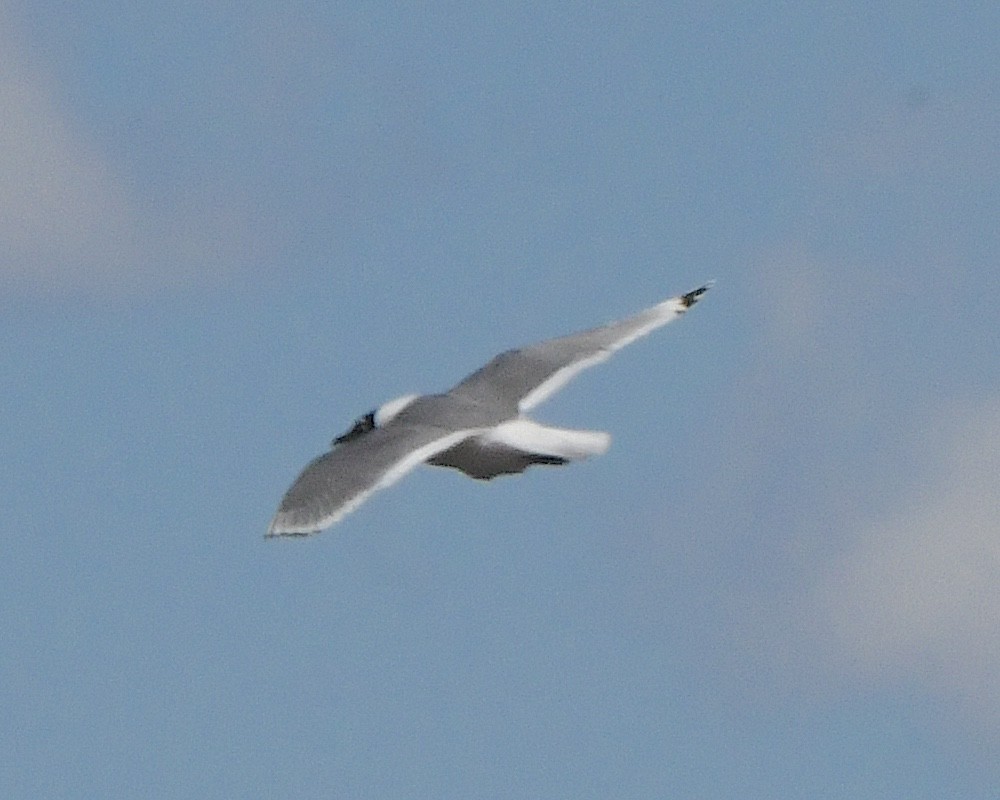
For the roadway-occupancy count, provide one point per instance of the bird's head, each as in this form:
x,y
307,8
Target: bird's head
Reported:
x,y
376,418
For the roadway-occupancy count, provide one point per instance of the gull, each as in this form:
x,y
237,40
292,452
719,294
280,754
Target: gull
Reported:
x,y
479,426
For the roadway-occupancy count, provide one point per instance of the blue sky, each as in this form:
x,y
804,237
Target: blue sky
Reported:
x,y
227,231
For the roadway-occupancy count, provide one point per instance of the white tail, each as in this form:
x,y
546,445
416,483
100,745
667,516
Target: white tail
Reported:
x,y
531,437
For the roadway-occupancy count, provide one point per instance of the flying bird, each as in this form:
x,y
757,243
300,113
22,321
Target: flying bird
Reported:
x,y
478,426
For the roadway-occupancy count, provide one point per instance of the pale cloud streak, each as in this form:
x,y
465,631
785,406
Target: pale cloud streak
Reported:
x,y
882,571
915,596
72,222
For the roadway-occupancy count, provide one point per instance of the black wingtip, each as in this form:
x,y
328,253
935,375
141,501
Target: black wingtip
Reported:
x,y
692,297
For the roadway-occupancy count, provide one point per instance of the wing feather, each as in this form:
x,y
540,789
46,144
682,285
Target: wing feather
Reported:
x,y
337,482
527,376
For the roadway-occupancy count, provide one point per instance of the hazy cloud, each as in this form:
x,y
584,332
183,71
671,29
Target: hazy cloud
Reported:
x,y
916,595
71,221
879,565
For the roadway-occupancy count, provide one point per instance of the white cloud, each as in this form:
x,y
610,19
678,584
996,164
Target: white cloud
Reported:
x,y
916,597
70,222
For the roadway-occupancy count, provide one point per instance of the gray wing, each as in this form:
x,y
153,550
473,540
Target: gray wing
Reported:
x,y
521,379
337,482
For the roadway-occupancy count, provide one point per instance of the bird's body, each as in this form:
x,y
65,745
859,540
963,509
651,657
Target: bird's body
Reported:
x,y
478,426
